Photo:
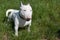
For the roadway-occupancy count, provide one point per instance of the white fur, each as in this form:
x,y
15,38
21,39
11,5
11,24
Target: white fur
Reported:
x,y
19,22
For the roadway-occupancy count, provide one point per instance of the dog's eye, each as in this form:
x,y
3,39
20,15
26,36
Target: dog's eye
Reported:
x,y
24,10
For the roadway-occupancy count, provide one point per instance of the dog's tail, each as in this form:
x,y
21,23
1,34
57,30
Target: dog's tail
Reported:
x,y
7,12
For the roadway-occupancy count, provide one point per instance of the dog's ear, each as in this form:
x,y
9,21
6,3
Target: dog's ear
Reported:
x,y
28,4
21,3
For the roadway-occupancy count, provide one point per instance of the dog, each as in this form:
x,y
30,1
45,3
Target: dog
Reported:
x,y
21,17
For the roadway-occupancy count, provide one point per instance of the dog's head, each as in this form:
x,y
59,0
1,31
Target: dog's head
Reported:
x,y
26,11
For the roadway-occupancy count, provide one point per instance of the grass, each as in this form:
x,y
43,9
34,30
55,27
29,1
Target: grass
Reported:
x,y
45,21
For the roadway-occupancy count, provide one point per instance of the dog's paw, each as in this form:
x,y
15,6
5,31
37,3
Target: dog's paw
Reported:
x,y
28,30
16,34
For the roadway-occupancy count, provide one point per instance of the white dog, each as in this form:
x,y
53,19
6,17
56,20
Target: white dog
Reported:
x,y
21,18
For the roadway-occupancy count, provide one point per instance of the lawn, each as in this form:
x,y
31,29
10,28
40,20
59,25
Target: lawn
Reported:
x,y
45,20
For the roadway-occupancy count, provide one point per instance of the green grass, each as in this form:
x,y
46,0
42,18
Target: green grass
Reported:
x,y
45,21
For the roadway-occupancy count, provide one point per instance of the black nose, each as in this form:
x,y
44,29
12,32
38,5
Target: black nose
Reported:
x,y
28,19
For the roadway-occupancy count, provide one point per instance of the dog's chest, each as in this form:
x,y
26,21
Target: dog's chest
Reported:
x,y
23,23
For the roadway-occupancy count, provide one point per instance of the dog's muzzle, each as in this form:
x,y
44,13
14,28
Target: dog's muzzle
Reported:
x,y
28,19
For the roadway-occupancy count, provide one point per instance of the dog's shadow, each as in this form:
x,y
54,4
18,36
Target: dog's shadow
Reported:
x,y
7,23
58,34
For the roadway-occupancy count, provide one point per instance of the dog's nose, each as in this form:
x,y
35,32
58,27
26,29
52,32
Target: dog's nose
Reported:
x,y
28,19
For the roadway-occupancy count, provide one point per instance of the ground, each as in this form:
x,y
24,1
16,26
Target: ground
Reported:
x,y
45,20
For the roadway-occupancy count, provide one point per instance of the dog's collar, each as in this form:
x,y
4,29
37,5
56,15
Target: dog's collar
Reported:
x,y
22,17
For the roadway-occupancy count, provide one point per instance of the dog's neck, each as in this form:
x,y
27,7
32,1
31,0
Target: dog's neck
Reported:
x,y
21,16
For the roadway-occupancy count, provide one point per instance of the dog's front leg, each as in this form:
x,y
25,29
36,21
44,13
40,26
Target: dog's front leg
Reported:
x,y
16,26
16,30
29,27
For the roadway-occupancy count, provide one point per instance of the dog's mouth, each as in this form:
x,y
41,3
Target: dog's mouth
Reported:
x,y
28,19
